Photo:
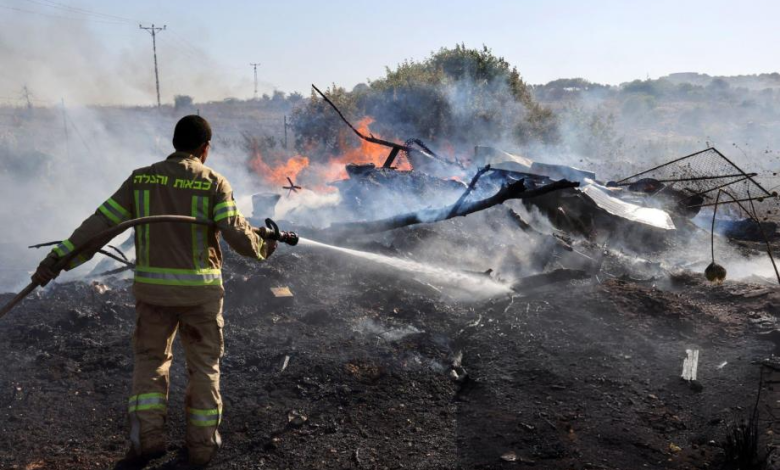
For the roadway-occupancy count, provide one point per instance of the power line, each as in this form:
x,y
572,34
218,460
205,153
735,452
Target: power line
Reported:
x,y
81,11
153,31
180,50
186,42
58,16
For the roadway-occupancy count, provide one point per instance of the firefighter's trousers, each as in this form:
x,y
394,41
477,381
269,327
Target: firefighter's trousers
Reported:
x,y
201,335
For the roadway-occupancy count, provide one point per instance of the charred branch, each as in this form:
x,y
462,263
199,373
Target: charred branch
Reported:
x,y
468,190
515,190
367,138
122,260
394,147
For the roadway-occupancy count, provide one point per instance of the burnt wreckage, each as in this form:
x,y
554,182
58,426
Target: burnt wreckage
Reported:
x,y
640,212
329,367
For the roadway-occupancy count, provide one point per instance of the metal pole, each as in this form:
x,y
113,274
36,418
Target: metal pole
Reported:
x,y
153,31
255,67
156,72
757,220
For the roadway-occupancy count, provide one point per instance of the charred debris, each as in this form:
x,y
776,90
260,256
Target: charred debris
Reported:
x,y
584,221
577,366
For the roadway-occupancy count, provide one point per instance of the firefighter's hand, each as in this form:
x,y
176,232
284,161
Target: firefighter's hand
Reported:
x,y
270,247
45,272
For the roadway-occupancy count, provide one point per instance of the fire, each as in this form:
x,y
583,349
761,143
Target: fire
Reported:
x,y
278,174
365,153
319,173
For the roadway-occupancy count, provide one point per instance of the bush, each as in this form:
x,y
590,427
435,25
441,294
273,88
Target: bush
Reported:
x,y
460,96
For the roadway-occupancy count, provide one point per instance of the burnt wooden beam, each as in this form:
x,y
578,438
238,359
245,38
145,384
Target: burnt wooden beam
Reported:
x,y
391,158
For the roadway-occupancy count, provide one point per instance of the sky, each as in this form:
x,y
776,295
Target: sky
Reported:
x,y
93,52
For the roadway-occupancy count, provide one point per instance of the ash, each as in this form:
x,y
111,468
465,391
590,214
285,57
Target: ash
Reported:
x,y
390,371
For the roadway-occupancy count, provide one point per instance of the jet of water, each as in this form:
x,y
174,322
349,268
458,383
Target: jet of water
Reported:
x,y
467,283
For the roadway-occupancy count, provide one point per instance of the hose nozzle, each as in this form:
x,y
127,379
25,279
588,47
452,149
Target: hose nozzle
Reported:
x,y
271,232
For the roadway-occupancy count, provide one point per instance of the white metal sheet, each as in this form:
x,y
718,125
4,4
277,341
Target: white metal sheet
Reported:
x,y
644,215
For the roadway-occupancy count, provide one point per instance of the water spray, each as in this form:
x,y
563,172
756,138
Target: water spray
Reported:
x,y
471,283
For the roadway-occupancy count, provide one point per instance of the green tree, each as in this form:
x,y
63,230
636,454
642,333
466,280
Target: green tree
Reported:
x,y
459,95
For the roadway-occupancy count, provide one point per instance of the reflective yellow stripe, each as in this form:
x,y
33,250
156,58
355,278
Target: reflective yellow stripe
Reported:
x,y
142,231
124,212
144,396
224,210
147,401
224,204
200,210
203,418
63,248
77,261
225,215
109,214
155,406
114,211
178,277
147,212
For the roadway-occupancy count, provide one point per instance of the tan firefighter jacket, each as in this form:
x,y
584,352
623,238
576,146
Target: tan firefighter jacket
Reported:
x,y
176,264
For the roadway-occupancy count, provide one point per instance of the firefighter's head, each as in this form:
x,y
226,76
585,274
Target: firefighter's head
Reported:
x,y
193,135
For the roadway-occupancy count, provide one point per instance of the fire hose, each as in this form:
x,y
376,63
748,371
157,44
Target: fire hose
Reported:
x,y
269,232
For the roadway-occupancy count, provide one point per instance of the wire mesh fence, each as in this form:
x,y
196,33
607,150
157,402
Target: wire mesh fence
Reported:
x,y
703,174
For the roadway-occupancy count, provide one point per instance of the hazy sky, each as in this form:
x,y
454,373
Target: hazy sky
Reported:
x,y
346,42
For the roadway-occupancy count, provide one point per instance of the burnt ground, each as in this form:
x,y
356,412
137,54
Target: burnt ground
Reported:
x,y
578,375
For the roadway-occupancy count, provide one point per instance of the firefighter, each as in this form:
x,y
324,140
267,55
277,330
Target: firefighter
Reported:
x,y
178,285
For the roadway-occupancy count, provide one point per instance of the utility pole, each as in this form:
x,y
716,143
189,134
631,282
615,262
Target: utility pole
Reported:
x,y
153,31
26,95
286,125
255,67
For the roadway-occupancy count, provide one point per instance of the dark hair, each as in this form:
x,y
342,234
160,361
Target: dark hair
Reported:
x,y
191,132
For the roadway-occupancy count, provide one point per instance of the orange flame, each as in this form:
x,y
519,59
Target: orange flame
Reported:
x,y
334,169
364,153
278,174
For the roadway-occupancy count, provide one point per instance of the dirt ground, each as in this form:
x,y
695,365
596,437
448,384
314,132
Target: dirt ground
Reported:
x,y
390,374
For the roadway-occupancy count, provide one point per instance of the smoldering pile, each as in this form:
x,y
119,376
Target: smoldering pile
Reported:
x,y
555,223
574,224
